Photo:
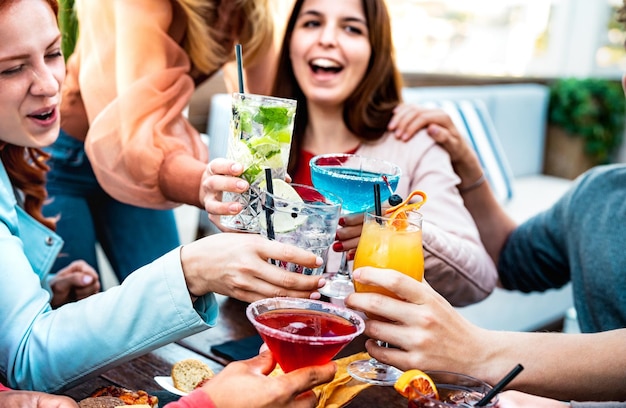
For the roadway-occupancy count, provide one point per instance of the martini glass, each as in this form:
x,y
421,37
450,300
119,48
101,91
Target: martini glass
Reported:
x,y
303,332
352,178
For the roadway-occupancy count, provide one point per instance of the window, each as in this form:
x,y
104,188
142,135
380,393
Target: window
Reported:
x,y
508,37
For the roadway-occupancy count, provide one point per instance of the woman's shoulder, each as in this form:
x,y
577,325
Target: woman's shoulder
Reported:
x,y
389,143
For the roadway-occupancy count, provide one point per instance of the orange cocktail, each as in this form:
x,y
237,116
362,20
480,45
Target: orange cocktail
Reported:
x,y
391,244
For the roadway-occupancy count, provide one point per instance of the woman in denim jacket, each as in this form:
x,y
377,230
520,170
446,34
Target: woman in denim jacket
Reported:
x,y
48,349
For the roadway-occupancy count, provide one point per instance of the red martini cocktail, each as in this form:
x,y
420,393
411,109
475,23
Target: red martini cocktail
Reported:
x,y
303,332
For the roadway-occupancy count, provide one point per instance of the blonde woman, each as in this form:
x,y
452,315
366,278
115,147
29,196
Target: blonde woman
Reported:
x,y
126,153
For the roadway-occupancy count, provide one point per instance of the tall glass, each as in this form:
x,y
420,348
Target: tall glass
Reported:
x,y
308,221
389,244
454,389
260,137
351,177
303,332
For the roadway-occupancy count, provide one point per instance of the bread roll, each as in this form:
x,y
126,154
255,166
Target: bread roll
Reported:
x,y
187,374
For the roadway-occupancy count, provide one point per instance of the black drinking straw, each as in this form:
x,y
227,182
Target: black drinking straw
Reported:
x,y
239,66
269,202
377,206
239,75
500,386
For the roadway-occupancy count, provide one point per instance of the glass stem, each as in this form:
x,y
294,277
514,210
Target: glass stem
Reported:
x,y
344,270
380,367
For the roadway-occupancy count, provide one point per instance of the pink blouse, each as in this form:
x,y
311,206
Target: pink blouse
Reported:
x,y
127,85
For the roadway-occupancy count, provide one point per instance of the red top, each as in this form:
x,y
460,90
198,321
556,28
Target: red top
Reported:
x,y
302,175
3,388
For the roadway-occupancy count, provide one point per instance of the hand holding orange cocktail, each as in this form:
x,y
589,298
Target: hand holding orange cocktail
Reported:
x,y
390,241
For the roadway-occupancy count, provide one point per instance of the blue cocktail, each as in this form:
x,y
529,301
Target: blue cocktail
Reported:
x,y
351,177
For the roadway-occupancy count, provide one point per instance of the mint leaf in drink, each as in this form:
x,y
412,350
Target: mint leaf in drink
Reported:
x,y
245,118
272,116
252,173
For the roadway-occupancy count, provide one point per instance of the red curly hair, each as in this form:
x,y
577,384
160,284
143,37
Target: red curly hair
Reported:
x,y
26,167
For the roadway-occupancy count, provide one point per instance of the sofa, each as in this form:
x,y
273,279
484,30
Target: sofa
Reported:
x,y
507,125
514,116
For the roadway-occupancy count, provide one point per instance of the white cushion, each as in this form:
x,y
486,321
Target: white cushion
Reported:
x,y
473,121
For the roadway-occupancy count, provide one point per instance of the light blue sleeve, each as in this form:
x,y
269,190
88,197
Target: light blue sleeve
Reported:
x,y
48,350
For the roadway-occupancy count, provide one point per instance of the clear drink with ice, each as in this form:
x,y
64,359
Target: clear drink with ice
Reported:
x,y
260,137
302,216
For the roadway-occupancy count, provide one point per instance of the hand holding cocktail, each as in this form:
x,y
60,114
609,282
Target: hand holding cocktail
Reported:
x,y
248,276
426,331
247,383
219,176
260,138
392,241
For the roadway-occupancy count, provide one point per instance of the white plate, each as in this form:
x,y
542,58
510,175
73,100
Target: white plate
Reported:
x,y
167,384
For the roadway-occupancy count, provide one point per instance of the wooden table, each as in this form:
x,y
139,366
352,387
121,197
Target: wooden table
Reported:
x,y
233,325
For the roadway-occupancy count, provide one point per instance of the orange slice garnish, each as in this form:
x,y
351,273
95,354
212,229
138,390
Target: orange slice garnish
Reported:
x,y
399,213
418,379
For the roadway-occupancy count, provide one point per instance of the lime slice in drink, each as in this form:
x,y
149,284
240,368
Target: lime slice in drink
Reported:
x,y
285,218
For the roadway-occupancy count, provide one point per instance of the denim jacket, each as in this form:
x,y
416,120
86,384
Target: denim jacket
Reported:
x,y
48,350
40,245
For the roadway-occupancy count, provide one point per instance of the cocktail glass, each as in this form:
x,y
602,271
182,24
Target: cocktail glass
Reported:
x,y
260,137
455,390
308,221
303,332
389,244
351,177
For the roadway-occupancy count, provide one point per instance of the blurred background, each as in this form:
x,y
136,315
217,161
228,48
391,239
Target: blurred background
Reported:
x,y
519,38
574,47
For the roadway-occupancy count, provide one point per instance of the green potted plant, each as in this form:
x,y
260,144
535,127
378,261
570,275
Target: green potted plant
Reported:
x,y
589,112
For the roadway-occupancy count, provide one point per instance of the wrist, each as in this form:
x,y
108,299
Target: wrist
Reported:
x,y
468,171
188,263
465,188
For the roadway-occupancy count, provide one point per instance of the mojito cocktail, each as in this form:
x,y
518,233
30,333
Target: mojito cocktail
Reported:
x,y
260,138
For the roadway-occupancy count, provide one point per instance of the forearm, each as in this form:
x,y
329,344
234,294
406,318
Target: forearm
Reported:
x,y
494,224
583,367
179,179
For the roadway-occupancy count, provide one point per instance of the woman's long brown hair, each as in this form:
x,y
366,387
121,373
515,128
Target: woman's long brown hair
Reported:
x,y
26,167
370,107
